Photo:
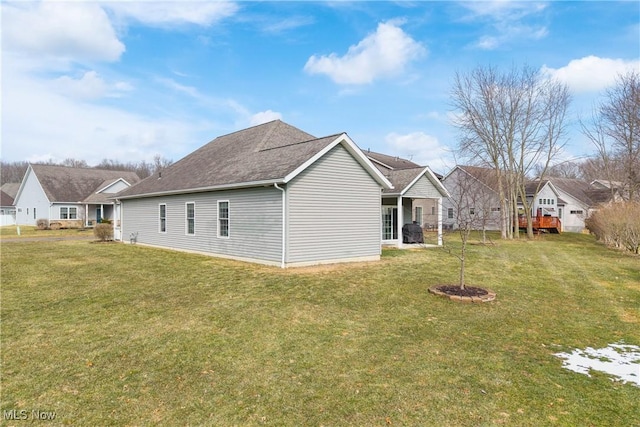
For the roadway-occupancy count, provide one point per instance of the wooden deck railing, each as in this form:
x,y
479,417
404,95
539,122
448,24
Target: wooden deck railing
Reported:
x,y
542,223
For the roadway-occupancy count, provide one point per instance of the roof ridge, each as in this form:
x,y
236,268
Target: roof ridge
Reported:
x,y
245,129
267,135
297,143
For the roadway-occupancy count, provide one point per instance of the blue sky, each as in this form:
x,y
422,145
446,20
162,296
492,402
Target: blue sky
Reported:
x,y
130,80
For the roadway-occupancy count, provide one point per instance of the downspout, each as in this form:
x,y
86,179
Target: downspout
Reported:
x,y
400,220
284,223
439,207
114,221
118,220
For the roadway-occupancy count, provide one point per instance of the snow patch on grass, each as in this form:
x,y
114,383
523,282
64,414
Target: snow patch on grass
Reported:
x,y
620,360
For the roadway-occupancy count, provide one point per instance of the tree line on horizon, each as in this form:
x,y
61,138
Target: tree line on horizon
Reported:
x,y
13,172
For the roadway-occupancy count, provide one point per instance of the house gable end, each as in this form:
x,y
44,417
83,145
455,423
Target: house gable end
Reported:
x,y
333,211
355,152
426,184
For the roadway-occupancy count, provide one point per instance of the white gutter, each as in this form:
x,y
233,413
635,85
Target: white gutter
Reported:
x,y
284,223
264,183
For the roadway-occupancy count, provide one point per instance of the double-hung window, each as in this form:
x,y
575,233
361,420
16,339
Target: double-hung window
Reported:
x,y
190,209
223,218
163,217
68,213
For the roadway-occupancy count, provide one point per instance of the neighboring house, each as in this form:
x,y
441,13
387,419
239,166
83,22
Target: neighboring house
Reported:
x,y
605,184
416,196
7,209
571,200
70,196
474,189
271,194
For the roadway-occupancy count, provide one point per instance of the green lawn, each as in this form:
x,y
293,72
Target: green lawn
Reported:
x,y
8,232
114,334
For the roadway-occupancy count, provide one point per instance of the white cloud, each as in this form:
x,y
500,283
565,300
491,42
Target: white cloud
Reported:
x,y
63,30
89,86
507,19
591,73
41,122
288,24
264,117
504,10
167,13
420,148
381,54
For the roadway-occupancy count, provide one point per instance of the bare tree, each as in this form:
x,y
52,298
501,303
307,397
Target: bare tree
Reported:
x,y
12,171
567,169
475,97
614,129
74,163
513,122
471,200
160,163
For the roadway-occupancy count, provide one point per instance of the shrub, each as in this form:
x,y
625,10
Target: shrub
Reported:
x,y
617,225
42,224
103,232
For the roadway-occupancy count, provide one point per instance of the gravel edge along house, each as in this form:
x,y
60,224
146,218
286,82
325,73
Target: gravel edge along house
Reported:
x,y
271,194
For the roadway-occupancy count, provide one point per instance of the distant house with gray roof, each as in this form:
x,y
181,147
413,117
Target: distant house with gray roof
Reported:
x,y
7,206
571,200
271,194
70,196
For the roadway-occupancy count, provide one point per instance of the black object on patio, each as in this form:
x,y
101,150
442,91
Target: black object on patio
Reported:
x,y
412,233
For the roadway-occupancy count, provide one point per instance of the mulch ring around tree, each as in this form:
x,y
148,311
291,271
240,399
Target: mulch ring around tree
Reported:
x,y
468,294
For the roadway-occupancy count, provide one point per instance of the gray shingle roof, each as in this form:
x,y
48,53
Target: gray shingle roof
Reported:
x,y
400,178
263,153
5,199
580,190
390,162
11,188
70,185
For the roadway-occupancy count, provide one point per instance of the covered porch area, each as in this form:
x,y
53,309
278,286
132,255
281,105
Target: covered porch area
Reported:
x,y
95,213
398,211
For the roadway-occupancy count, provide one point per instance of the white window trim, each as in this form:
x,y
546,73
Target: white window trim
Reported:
x,y
186,219
228,219
165,218
68,212
450,213
420,216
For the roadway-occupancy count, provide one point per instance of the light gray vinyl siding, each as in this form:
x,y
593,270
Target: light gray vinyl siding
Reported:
x,y
255,217
31,197
423,188
333,211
